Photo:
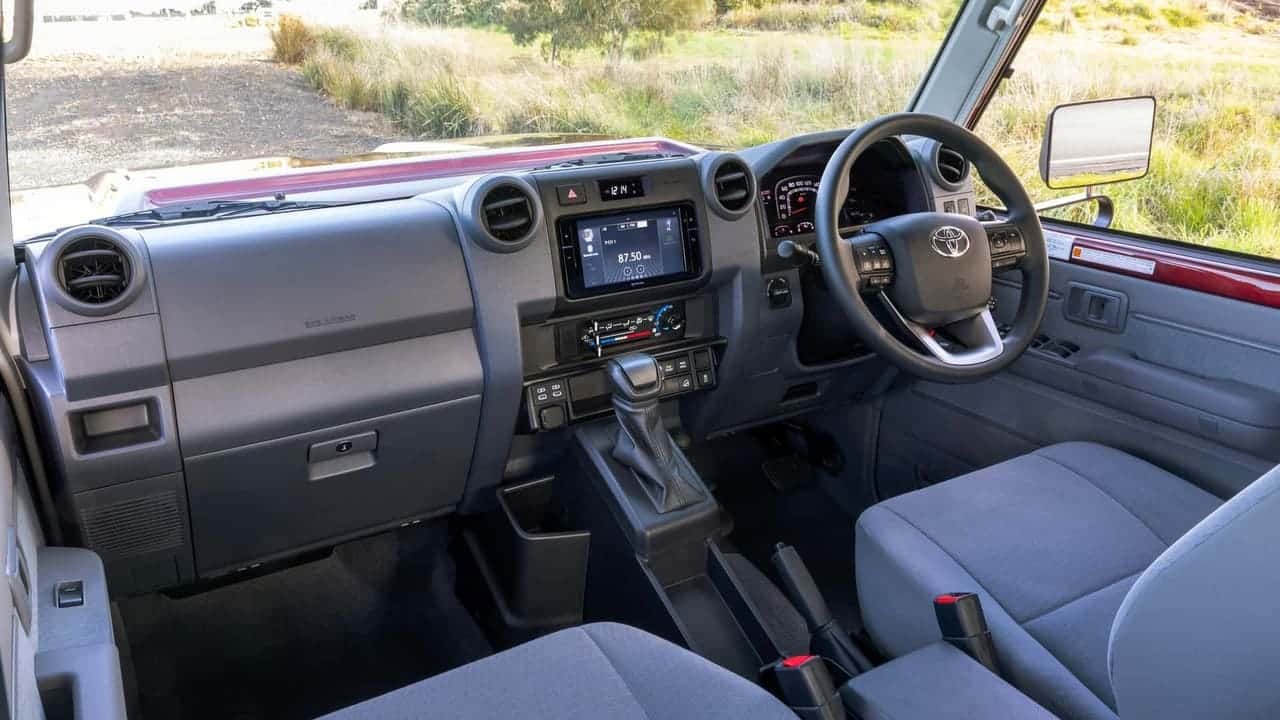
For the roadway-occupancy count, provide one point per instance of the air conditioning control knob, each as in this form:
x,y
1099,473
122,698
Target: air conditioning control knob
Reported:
x,y
672,320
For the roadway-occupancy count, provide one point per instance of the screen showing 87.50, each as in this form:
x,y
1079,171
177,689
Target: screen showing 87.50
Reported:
x,y
626,248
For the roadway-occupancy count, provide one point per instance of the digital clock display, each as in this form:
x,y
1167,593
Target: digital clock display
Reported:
x,y
621,188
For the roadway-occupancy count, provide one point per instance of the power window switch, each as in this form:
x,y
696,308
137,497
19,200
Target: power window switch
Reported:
x,y
69,594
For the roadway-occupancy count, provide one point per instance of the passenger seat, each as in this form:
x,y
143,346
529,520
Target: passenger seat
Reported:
x,y
589,672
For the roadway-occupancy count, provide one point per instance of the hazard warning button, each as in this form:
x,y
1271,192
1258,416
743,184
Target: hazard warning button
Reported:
x,y
574,194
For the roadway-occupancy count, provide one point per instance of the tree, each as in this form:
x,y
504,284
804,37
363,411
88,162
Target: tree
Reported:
x,y
612,26
452,12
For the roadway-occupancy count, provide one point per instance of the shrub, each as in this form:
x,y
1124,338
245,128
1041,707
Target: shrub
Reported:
x,y
1182,17
1135,8
291,40
340,43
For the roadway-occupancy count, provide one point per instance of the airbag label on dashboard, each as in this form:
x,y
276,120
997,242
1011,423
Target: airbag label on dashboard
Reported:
x,y
1114,260
1058,244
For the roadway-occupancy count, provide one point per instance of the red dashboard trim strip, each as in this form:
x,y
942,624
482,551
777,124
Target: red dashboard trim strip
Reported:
x,y
384,172
1187,271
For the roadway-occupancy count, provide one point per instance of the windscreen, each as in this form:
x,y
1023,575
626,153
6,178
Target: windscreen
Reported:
x,y
122,101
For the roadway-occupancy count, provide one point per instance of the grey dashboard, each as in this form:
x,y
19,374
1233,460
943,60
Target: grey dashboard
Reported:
x,y
216,396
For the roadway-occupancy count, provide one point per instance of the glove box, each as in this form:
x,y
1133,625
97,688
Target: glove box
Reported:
x,y
275,498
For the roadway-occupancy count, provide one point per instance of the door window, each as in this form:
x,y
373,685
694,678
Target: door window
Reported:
x,y
1212,67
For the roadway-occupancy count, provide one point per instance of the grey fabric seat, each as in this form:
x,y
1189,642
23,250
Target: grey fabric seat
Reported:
x,y
594,671
1052,541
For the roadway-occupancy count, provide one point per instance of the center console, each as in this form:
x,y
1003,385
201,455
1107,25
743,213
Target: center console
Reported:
x,y
632,267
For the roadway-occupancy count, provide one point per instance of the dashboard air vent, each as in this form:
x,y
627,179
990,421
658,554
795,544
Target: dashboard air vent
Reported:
x,y
952,167
94,270
508,213
733,186
729,185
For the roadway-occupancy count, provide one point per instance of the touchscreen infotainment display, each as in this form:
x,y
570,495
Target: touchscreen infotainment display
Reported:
x,y
624,248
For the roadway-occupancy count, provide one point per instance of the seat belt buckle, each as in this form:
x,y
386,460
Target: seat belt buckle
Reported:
x,y
804,684
963,624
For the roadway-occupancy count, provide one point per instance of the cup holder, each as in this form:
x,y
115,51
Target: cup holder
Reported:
x,y
533,561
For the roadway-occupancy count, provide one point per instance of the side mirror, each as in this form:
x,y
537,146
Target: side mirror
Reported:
x,y
1097,142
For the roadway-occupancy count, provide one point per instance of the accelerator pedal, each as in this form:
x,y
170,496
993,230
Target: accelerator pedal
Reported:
x,y
787,472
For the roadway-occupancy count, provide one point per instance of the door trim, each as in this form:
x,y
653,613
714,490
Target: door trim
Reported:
x,y
1171,266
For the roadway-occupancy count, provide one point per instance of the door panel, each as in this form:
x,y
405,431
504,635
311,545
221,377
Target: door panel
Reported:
x,y
1133,359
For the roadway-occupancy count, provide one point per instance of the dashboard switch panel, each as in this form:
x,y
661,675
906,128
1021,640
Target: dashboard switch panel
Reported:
x,y
552,403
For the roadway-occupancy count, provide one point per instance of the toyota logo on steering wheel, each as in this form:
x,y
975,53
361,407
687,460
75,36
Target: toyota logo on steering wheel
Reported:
x,y
950,241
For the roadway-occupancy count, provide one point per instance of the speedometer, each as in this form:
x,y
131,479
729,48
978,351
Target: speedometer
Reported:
x,y
795,197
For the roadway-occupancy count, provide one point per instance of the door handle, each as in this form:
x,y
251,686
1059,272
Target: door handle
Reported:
x,y
1003,14
1096,307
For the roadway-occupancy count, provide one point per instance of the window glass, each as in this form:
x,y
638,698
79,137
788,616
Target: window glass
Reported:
x,y
121,97
1214,69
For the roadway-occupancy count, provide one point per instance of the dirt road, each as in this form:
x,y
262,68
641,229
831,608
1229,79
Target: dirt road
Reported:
x,y
153,93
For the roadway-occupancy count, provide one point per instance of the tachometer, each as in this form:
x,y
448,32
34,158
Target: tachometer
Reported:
x,y
795,196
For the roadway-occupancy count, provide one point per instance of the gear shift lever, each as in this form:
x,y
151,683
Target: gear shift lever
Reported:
x,y
643,443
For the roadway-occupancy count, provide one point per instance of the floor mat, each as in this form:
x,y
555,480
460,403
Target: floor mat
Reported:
x,y
378,614
805,517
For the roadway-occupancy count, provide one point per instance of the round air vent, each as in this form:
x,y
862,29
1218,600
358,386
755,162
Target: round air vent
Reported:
x,y
731,186
507,213
950,168
95,270
503,212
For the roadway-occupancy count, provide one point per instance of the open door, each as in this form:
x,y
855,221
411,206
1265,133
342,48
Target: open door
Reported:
x,y
58,657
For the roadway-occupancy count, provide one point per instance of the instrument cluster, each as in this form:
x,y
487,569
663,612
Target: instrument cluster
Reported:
x,y
789,194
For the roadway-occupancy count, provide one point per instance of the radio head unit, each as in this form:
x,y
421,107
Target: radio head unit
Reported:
x,y
635,248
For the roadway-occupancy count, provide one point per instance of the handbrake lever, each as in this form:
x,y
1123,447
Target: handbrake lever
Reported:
x,y
826,636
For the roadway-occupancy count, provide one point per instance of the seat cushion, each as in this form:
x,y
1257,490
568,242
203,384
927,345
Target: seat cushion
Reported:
x,y
1051,541
594,671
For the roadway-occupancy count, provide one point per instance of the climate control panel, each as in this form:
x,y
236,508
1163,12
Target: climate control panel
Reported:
x,y
596,335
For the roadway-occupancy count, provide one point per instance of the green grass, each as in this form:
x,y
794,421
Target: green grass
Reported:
x,y
758,74
725,88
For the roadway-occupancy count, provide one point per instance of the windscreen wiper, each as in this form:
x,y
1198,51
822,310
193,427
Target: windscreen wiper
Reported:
x,y
206,209
607,158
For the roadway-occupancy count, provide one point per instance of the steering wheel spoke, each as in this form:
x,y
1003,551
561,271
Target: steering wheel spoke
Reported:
x,y
1008,247
873,261
972,341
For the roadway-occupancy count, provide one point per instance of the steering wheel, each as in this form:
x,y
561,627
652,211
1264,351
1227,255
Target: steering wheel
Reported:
x,y
932,270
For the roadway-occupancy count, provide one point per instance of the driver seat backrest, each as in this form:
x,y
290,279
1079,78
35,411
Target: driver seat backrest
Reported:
x,y
1198,634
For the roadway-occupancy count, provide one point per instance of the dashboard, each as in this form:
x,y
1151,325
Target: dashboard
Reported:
x,y
264,385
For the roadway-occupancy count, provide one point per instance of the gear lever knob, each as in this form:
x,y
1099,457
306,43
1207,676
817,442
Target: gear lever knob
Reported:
x,y
643,443
634,377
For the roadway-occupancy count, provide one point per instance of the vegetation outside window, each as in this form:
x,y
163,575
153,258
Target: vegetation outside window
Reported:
x,y
1212,67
